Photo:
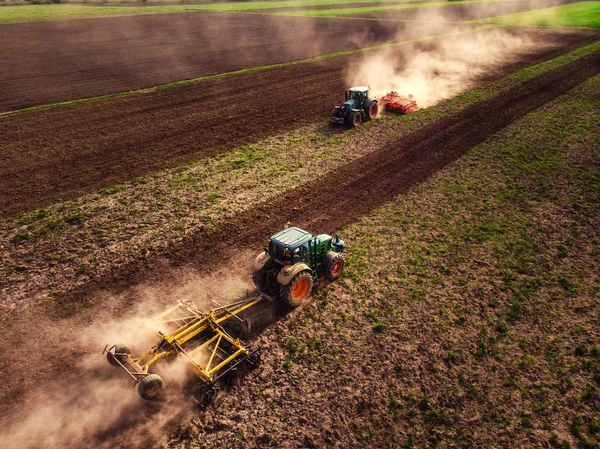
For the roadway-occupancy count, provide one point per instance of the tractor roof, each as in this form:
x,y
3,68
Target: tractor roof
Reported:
x,y
360,88
291,238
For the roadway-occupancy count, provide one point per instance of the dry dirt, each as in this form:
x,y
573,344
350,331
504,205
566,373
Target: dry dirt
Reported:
x,y
54,155
352,191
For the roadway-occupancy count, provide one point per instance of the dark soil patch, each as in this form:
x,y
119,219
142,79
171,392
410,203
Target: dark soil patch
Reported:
x,y
48,62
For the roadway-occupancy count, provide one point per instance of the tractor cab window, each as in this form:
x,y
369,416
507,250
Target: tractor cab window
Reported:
x,y
356,95
281,253
300,254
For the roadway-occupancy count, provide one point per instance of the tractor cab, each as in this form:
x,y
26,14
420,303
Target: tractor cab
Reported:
x,y
289,246
359,94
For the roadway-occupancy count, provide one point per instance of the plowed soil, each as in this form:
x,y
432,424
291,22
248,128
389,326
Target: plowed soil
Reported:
x,y
352,191
65,60
55,155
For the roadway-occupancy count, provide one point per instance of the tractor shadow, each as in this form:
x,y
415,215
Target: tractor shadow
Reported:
x,y
253,321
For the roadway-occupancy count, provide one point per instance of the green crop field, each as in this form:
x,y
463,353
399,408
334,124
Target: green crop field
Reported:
x,y
584,15
381,8
30,13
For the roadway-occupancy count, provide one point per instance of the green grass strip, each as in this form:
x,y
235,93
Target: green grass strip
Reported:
x,y
34,13
381,8
233,73
581,15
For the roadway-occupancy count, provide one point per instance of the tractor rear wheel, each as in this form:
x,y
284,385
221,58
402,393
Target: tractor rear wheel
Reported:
x,y
121,353
355,119
334,266
372,109
150,386
298,289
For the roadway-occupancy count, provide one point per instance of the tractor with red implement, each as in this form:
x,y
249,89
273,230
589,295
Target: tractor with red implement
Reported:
x,y
358,107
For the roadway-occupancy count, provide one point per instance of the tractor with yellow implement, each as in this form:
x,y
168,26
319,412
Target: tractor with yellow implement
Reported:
x,y
287,271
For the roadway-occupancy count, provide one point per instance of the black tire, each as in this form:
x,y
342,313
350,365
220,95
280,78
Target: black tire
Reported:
x,y
297,290
121,351
372,109
354,119
150,386
333,266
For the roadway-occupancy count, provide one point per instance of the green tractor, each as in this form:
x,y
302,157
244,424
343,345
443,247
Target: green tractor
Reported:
x,y
356,109
295,261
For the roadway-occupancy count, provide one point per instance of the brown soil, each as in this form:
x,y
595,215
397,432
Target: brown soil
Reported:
x,y
47,62
325,204
54,155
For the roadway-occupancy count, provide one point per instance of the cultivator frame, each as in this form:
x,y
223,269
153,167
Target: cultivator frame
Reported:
x,y
193,333
394,102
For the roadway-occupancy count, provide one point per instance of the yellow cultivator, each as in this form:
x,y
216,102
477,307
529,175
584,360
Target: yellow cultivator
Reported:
x,y
198,337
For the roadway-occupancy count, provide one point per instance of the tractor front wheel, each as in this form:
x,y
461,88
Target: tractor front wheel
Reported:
x,y
298,289
355,119
150,386
334,266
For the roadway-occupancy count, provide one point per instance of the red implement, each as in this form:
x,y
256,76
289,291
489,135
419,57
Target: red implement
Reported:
x,y
394,102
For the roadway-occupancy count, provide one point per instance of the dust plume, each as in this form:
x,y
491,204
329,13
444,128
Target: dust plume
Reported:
x,y
458,59
440,69
94,404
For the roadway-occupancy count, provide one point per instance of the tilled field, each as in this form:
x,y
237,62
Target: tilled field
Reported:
x,y
52,373
99,56
55,155
352,191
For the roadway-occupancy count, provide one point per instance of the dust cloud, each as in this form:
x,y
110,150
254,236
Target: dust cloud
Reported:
x,y
438,69
94,404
